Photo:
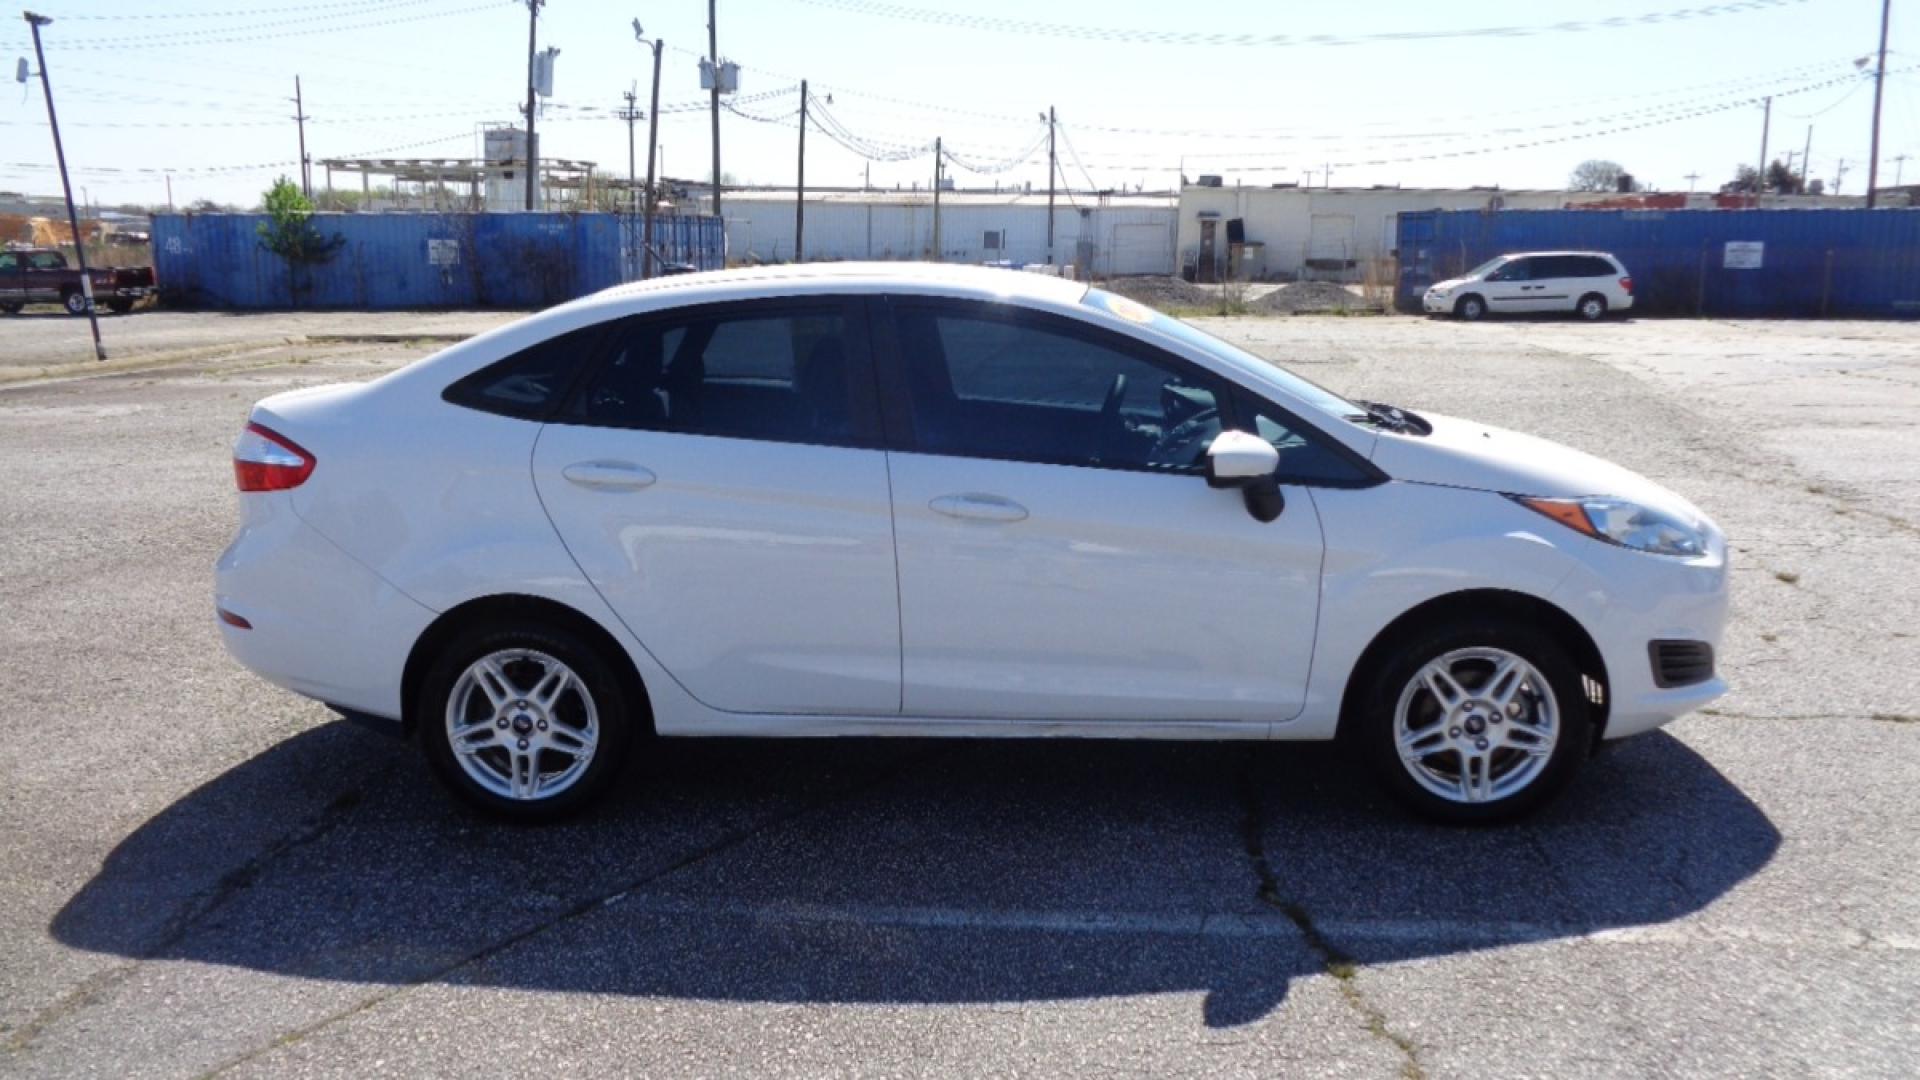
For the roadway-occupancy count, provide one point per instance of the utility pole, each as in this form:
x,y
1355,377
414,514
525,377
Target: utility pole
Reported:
x,y
939,156
1879,85
1053,167
1326,176
533,153
1839,174
1899,168
630,114
1766,126
169,192
1692,179
800,185
60,154
300,117
713,59
653,147
1806,161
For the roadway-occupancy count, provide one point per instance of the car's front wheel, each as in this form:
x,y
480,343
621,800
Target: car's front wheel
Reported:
x,y
1470,308
1475,722
527,722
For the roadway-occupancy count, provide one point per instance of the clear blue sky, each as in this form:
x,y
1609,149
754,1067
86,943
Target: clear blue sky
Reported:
x,y
198,85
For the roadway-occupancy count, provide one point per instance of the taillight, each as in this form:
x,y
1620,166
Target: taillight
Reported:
x,y
1626,283
265,460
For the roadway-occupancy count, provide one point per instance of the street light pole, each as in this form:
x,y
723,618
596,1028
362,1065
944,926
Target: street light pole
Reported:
x,y
533,155
653,145
713,60
60,155
1879,85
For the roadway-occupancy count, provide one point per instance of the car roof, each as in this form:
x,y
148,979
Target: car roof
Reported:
x,y
851,277
1532,254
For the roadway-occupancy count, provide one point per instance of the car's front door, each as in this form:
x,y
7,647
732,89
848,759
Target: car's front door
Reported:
x,y
718,477
1061,556
1511,288
11,287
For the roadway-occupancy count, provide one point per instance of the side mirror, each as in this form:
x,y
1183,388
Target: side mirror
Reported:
x,y
1236,459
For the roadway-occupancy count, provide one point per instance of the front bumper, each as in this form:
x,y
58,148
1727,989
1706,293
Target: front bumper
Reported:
x,y
1437,303
1627,600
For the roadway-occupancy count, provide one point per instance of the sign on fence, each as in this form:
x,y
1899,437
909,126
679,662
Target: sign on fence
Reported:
x,y
1744,254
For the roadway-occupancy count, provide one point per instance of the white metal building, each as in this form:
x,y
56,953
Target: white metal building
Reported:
x,y
1327,233
1117,234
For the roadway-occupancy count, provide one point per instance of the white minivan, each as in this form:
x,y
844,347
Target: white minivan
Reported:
x,y
1587,283
920,500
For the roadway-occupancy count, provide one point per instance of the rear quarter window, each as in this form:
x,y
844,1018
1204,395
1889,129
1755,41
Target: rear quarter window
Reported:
x,y
530,384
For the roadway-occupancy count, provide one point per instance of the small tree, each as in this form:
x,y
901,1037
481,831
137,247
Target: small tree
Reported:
x,y
1599,175
1782,178
1746,181
289,232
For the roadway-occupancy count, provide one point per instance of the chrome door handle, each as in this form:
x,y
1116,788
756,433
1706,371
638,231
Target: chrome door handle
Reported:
x,y
608,475
979,507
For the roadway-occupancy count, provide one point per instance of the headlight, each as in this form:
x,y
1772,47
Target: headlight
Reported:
x,y
1627,524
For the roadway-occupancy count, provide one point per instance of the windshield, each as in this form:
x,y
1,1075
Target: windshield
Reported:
x,y
1485,267
1186,333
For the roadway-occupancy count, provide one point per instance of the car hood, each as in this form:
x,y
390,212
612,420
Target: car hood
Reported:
x,y
1450,283
1469,454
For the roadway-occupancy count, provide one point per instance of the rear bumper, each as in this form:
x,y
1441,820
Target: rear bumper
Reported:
x,y
321,624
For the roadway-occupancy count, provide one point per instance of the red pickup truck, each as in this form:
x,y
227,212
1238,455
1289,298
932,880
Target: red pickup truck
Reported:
x,y
42,276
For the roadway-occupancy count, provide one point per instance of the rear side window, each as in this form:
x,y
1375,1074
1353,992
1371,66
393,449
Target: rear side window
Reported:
x,y
782,373
1594,266
530,384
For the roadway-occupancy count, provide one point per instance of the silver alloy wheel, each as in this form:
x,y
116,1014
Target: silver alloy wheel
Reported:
x,y
1593,307
75,303
522,724
1472,308
1476,725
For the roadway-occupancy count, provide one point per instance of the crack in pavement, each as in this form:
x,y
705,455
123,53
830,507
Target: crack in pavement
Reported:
x,y
1333,960
578,909
192,911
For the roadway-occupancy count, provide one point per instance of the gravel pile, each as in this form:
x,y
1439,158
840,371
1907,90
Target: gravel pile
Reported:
x,y
1306,296
1160,292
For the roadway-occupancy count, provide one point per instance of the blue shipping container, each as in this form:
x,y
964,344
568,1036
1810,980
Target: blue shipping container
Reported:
x,y
411,261
1807,263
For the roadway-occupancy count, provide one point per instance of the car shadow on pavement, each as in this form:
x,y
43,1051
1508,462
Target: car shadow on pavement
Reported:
x,y
838,871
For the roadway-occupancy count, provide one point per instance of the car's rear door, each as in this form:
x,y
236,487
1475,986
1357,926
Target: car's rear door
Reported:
x,y
1556,283
717,476
1061,556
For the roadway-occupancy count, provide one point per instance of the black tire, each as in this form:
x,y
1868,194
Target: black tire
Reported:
x,y
600,681
74,301
1370,727
119,307
1470,308
1592,307
11,309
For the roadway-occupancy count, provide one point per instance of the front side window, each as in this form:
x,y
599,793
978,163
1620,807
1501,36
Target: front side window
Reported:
x,y
8,264
529,384
781,374
1517,270
987,382
47,260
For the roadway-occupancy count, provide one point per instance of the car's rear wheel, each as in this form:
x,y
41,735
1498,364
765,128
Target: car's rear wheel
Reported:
x,y
74,301
527,722
1593,307
1475,722
1470,308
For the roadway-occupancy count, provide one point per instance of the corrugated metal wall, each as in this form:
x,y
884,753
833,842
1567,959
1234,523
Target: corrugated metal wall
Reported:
x,y
415,260
1125,239
1840,263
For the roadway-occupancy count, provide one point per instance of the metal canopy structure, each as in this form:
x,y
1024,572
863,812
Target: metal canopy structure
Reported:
x,y
464,183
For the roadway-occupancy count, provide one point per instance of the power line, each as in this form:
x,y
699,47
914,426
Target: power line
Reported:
x,y
191,38
1111,34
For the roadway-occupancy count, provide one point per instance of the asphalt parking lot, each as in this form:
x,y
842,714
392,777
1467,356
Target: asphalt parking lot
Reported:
x,y
203,874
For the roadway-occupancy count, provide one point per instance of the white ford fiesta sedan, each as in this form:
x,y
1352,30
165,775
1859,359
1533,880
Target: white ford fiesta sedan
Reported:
x,y
923,500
